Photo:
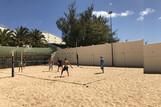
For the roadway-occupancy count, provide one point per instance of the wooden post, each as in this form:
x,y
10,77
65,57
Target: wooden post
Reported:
x,y
77,59
12,63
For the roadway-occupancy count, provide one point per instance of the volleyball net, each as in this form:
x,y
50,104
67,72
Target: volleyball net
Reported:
x,y
27,60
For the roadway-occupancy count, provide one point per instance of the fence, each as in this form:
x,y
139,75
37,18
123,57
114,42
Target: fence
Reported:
x,y
152,58
124,54
88,55
128,54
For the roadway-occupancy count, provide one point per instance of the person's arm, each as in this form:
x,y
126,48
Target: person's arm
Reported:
x,y
70,64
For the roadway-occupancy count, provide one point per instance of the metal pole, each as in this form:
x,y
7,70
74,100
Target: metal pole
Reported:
x,y
110,12
12,63
112,54
77,57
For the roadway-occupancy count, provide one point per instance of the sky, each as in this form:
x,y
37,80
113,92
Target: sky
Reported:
x,y
133,19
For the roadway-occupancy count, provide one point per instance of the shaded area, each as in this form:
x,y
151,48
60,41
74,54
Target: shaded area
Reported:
x,y
50,79
152,72
88,67
98,73
95,81
5,77
75,83
46,71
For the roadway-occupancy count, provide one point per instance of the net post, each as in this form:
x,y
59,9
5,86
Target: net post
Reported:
x,y
12,63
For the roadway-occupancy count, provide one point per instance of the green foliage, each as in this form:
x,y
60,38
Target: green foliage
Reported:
x,y
6,37
36,38
84,28
22,36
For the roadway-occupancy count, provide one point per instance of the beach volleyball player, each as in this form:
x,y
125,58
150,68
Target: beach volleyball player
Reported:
x,y
50,64
60,64
65,67
102,64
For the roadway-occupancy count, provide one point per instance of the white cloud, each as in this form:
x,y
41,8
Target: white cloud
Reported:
x,y
141,18
100,13
127,13
144,13
147,11
159,18
106,15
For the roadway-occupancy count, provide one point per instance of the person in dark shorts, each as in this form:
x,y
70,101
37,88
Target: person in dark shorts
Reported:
x,y
21,65
65,67
60,64
102,64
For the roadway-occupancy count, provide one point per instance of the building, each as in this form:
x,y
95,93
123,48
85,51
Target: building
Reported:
x,y
52,39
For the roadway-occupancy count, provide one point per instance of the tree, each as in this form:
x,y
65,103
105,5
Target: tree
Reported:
x,y
111,38
34,38
6,37
84,28
69,25
21,36
37,38
94,29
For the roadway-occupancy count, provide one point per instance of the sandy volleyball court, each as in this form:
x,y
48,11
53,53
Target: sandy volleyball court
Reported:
x,y
86,87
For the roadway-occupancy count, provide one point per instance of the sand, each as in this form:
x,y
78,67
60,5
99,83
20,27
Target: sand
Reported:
x,y
86,87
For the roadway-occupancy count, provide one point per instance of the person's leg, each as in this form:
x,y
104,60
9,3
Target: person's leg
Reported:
x,y
52,68
61,67
62,72
103,70
58,69
49,67
21,69
67,71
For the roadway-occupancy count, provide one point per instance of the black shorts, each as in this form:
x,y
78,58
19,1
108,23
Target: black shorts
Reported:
x,y
65,68
60,65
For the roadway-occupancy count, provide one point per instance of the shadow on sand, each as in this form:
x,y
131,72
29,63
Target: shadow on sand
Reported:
x,y
62,81
98,73
59,76
5,77
29,76
46,71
